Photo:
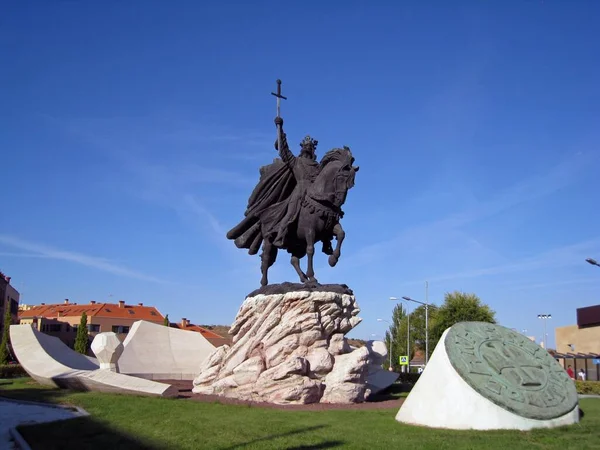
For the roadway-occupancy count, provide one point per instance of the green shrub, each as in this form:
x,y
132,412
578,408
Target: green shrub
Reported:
x,y
5,337
82,339
588,387
12,371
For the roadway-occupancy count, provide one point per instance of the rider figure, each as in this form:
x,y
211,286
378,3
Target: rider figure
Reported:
x,y
305,169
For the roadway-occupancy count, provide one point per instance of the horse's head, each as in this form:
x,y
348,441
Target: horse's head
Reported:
x,y
336,177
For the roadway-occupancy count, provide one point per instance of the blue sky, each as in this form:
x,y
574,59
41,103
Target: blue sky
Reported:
x,y
133,133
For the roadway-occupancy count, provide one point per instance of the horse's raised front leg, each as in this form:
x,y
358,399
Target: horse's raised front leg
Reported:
x,y
340,234
310,253
268,257
296,264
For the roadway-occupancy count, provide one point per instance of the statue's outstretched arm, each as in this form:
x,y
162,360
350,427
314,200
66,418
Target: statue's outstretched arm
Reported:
x,y
284,152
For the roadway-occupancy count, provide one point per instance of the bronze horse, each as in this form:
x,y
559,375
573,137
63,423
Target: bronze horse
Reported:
x,y
319,218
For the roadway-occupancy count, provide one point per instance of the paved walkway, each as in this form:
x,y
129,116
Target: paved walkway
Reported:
x,y
13,413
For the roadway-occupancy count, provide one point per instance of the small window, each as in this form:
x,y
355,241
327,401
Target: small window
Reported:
x,y
107,310
120,329
93,328
152,313
131,311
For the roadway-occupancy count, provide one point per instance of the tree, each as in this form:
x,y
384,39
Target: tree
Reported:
x,y
460,307
81,341
457,307
414,320
166,321
398,343
417,328
5,336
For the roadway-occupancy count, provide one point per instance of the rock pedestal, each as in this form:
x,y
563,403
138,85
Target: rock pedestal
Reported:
x,y
289,347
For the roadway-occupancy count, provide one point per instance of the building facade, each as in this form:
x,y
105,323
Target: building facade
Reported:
x,y
9,298
578,345
62,320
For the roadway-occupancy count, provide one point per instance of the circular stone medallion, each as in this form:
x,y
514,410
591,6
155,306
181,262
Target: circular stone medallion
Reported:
x,y
510,370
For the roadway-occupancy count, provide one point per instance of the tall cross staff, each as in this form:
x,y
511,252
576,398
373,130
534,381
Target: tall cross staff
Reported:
x,y
279,97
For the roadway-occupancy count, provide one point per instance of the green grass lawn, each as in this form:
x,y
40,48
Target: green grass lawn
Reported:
x,y
150,423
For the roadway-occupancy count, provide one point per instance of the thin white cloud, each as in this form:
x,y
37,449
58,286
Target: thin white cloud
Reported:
x,y
22,255
528,190
44,251
192,205
555,284
564,256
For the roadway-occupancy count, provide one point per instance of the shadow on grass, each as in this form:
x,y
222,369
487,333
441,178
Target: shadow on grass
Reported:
x,y
35,393
392,392
81,432
322,445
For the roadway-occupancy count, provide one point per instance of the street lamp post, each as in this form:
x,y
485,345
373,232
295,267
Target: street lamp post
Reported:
x,y
391,339
407,331
408,338
545,317
426,323
593,262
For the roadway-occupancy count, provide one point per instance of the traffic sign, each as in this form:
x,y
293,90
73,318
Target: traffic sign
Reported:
x,y
403,360
596,361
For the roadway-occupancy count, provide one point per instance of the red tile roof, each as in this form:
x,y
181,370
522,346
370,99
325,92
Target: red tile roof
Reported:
x,y
113,310
203,331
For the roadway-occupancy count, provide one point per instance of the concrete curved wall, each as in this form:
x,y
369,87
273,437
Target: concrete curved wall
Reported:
x,y
45,357
50,362
157,352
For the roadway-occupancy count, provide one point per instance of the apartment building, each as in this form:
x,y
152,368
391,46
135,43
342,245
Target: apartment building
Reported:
x,y
61,320
9,298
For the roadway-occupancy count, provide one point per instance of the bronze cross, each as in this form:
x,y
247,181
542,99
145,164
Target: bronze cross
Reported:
x,y
279,97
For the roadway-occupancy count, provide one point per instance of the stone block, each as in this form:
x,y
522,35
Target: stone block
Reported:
x,y
483,376
108,349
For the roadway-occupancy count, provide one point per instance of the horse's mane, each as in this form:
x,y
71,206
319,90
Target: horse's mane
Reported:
x,y
343,155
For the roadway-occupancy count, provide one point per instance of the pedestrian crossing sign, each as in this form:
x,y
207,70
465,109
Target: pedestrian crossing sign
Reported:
x,y
403,360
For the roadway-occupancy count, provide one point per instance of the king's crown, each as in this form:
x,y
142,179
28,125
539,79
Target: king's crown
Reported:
x,y
309,142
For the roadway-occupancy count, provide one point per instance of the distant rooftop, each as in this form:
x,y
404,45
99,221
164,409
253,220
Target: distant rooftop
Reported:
x,y
214,338
94,309
588,316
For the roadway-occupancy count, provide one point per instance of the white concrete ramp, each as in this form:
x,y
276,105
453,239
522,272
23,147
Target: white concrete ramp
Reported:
x,y
50,362
44,357
157,352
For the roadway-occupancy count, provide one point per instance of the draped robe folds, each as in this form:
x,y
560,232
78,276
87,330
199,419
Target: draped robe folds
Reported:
x,y
275,202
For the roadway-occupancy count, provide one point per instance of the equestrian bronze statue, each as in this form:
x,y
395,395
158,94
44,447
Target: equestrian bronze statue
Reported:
x,y
296,204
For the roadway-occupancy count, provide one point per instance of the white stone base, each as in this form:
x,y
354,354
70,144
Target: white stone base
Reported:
x,y
442,399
